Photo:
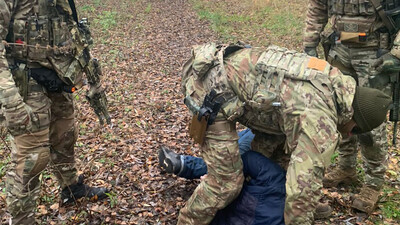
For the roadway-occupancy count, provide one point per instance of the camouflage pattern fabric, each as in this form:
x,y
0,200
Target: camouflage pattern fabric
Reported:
x,y
224,180
42,124
344,17
354,58
51,140
374,146
304,111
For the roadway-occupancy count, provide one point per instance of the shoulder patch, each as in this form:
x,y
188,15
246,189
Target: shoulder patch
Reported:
x,y
317,64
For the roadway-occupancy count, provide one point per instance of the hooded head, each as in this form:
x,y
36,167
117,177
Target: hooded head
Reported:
x,y
370,108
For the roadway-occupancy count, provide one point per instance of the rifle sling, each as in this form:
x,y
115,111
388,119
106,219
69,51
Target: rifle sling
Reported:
x,y
385,19
73,9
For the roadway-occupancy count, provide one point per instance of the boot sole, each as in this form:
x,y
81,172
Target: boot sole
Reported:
x,y
164,162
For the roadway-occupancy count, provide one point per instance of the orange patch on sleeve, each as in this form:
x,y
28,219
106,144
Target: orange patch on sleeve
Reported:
x,y
317,64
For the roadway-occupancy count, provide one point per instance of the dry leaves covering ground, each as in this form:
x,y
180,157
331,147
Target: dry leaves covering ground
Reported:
x,y
142,45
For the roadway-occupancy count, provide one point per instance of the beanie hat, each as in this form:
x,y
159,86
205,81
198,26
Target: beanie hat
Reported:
x,y
370,108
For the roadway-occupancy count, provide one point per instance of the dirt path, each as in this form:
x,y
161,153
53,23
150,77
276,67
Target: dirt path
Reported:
x,y
152,43
141,54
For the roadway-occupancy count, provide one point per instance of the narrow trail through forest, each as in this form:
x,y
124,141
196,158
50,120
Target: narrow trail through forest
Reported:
x,y
141,55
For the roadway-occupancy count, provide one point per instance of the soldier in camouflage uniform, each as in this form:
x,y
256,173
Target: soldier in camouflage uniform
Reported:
x,y
288,99
358,43
38,72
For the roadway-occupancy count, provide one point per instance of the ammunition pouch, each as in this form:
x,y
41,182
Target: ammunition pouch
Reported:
x,y
356,31
21,79
50,80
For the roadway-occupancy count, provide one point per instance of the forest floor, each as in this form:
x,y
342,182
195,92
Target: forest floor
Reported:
x,y
142,45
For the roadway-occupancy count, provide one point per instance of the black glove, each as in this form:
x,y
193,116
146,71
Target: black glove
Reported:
x,y
387,63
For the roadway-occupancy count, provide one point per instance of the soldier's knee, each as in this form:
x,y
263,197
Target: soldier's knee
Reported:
x,y
233,187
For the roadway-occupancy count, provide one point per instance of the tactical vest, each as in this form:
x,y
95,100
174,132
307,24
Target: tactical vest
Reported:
x,y
253,89
43,32
351,17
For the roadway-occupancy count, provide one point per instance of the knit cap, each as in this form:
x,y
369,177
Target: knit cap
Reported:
x,y
370,108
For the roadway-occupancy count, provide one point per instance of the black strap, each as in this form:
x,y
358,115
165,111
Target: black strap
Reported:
x,y
382,14
73,8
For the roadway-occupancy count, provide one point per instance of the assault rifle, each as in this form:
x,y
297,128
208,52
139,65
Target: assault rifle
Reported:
x,y
394,111
96,95
394,80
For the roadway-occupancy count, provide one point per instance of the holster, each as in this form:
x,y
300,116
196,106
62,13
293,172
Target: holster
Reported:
x,y
327,40
21,79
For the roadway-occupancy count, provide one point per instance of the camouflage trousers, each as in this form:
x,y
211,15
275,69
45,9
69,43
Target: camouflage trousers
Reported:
x,y
224,180
51,141
374,147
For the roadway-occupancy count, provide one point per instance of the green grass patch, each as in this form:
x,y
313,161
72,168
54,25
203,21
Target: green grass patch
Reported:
x,y
390,203
258,23
148,8
87,8
282,23
107,19
221,21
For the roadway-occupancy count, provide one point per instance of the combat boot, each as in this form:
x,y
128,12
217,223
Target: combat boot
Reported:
x,y
338,175
170,161
322,211
366,200
76,191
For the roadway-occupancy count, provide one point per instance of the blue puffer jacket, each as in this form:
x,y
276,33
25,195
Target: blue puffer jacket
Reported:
x,y
262,199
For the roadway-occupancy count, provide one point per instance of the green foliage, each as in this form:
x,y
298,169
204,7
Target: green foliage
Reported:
x,y
148,8
113,199
107,19
3,166
282,23
255,22
221,22
97,3
391,205
87,8
334,157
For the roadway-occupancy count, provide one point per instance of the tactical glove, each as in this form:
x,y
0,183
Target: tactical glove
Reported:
x,y
387,63
19,118
98,101
311,51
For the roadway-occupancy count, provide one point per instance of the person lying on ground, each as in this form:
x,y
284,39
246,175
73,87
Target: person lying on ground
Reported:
x,y
191,167
262,199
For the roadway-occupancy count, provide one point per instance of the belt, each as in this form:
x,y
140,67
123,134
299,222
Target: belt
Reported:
x,y
222,126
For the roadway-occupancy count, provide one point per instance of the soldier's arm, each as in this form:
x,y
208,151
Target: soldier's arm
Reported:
x,y
9,96
16,112
316,19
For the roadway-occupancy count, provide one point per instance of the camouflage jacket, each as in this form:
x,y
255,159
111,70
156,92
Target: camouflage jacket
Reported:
x,y
38,33
251,80
347,17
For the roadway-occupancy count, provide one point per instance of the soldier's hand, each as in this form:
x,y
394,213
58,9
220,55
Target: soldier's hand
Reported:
x,y
387,63
19,118
311,51
98,101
